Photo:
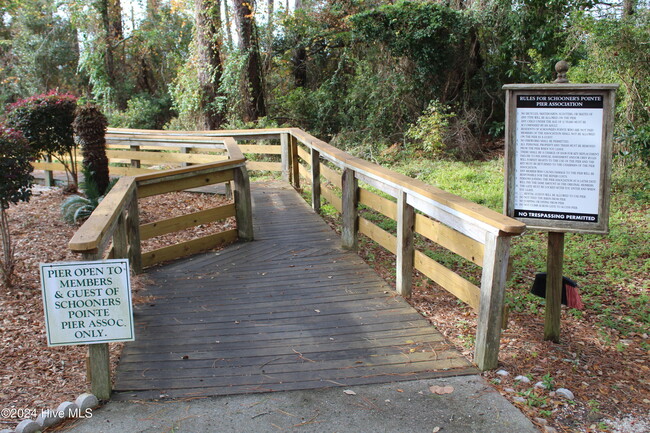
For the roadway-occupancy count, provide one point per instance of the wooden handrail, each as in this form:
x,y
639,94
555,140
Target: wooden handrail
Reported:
x,y
477,233
502,223
98,228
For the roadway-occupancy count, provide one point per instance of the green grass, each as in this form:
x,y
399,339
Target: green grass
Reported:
x,y
611,270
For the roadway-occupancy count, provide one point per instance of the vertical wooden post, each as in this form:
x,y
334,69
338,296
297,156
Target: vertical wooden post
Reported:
x,y
315,180
120,239
243,207
135,163
295,162
350,200
133,234
49,174
185,150
100,370
554,264
98,363
490,314
405,246
286,157
228,191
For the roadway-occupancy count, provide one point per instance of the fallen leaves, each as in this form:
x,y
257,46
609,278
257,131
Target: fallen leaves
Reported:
x,y
349,392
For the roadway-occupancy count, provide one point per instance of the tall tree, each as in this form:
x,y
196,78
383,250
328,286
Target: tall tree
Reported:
x,y
252,83
210,69
111,18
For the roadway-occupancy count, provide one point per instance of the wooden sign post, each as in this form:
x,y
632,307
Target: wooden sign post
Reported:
x,y
89,303
558,166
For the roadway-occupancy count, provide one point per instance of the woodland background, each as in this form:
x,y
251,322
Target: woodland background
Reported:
x,y
363,74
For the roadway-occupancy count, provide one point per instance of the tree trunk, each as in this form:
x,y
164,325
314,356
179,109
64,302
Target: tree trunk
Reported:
x,y
111,13
227,23
299,60
208,42
253,88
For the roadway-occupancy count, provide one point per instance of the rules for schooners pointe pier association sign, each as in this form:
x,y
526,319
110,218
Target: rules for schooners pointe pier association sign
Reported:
x,y
558,155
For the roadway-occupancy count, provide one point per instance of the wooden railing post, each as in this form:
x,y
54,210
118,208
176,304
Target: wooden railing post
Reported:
x,y
185,150
49,174
120,238
135,163
490,315
350,200
295,164
98,365
315,180
243,207
405,246
134,252
285,154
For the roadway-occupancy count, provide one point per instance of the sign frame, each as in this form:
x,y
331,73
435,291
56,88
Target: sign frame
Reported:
x,y
100,299
607,91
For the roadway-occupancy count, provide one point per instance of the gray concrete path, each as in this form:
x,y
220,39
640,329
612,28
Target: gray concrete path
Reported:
x,y
411,407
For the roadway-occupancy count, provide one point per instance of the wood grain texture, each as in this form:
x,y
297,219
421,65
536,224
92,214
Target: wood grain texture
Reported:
x,y
188,248
449,238
349,200
290,310
159,228
554,265
490,314
448,280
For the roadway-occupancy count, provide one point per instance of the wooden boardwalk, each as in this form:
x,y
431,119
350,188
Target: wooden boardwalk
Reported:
x,y
290,310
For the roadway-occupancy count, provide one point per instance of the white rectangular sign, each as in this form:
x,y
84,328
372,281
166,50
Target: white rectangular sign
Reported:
x,y
87,302
557,163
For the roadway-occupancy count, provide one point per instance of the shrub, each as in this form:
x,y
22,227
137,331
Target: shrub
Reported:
x,y
431,129
143,112
46,122
90,127
15,183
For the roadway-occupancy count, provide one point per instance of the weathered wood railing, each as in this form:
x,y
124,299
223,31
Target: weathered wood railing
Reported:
x,y
467,229
114,230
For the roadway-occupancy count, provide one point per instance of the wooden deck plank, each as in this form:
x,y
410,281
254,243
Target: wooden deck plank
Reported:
x,y
290,310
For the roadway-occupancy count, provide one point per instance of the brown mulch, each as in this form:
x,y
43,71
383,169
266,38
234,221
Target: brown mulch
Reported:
x,y
33,376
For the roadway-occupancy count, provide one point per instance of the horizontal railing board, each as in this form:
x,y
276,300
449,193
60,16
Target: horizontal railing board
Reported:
x,y
188,247
264,166
331,197
159,228
448,279
450,239
158,157
180,184
468,211
377,234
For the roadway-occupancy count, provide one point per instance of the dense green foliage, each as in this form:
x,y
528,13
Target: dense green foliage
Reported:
x,y
15,168
363,74
15,184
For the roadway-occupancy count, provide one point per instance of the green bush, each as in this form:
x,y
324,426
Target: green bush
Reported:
x,y
143,112
90,127
15,183
46,122
431,129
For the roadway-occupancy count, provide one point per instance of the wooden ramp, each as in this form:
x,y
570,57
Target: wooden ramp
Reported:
x,y
288,311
